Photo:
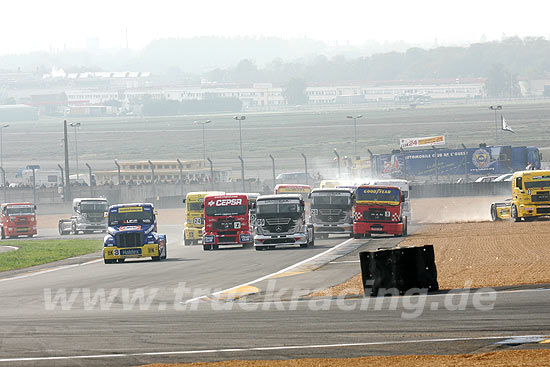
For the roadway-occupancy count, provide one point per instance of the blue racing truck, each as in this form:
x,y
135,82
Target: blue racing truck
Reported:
x,y
132,233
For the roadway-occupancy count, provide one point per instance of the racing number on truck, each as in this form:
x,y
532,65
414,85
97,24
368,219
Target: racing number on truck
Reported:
x,y
237,225
197,221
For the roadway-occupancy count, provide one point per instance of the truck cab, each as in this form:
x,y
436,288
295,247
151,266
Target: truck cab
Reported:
x,y
194,216
332,211
133,233
226,221
379,210
17,219
404,186
88,217
281,221
530,195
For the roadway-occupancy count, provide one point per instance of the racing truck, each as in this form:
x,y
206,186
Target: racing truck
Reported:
x,y
280,221
332,211
530,197
226,221
194,216
88,216
378,210
17,219
133,234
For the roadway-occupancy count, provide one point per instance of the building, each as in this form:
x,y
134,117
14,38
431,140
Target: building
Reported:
x,y
140,172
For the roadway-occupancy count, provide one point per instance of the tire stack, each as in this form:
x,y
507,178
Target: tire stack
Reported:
x,y
395,271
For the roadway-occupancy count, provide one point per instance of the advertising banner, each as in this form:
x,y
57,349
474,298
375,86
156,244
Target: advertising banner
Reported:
x,y
422,142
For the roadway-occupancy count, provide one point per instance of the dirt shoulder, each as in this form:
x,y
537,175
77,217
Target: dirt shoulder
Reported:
x,y
484,254
538,357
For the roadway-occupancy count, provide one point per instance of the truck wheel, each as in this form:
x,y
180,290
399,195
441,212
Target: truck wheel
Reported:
x,y
259,248
165,256
248,245
206,247
405,228
304,245
514,213
73,227
357,235
109,261
3,235
215,247
187,242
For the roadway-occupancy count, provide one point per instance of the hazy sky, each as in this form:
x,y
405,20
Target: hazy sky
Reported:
x,y
42,25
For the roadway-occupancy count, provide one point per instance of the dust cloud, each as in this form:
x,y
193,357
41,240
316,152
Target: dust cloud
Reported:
x,y
453,210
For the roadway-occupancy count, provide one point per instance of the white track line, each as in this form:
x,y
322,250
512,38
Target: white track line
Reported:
x,y
345,262
289,347
12,247
273,274
40,272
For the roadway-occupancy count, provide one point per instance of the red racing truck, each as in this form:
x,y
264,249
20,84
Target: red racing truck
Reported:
x,y
379,209
226,221
17,219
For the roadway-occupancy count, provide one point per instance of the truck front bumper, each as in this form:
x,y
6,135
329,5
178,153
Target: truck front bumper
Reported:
x,y
280,240
335,228
91,226
213,238
20,231
532,210
115,253
378,227
192,233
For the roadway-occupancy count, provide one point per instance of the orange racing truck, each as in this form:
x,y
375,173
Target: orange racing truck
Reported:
x,y
379,209
18,219
226,221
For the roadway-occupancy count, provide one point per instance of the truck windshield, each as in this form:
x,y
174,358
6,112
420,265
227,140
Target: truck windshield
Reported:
x,y
93,207
20,210
214,211
323,200
273,208
378,194
145,217
194,206
535,184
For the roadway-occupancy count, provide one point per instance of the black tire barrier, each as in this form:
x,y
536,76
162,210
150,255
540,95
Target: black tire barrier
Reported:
x,y
395,271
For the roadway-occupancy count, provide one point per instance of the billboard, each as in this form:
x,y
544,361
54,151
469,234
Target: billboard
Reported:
x,y
422,142
447,162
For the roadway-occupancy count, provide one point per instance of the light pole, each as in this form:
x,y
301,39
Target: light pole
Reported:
x,y
75,125
305,166
240,118
496,108
203,123
2,156
337,160
355,128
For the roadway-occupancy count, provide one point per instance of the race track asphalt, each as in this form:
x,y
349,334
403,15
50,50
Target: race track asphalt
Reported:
x,y
115,331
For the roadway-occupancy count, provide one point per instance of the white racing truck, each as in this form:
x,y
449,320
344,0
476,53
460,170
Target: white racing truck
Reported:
x,y
88,217
281,221
332,211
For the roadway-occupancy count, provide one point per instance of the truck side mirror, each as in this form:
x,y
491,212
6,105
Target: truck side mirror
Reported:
x,y
35,207
202,205
183,201
309,195
402,198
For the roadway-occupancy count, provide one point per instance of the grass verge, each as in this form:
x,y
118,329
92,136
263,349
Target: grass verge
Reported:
x,y
37,252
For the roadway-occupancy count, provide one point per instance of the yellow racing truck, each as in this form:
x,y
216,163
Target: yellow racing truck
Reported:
x,y
530,197
194,216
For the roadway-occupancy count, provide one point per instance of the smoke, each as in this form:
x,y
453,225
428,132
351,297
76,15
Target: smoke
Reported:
x,y
453,210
